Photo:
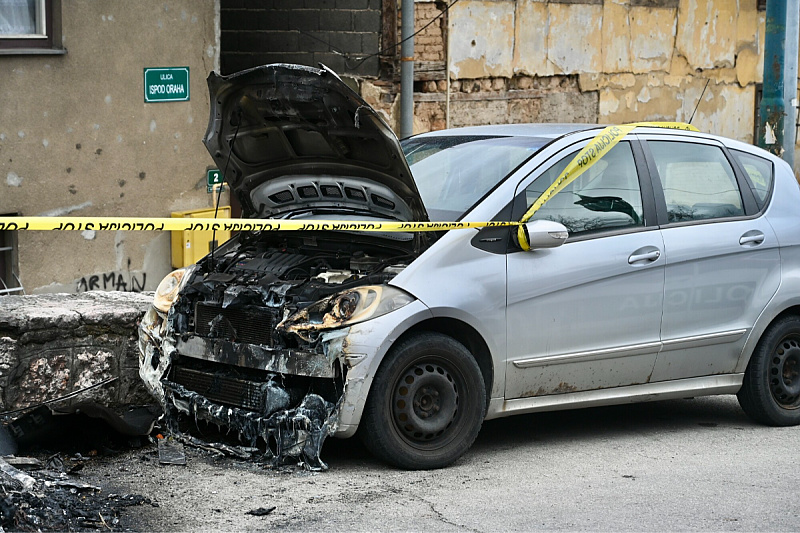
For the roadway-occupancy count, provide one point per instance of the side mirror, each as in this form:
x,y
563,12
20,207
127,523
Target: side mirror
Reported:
x,y
545,234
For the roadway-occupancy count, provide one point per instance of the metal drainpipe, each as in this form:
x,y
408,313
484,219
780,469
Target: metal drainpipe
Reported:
x,y
771,127
407,69
790,79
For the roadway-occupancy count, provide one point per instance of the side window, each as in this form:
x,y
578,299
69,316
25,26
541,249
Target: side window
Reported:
x,y
759,173
30,26
606,196
698,181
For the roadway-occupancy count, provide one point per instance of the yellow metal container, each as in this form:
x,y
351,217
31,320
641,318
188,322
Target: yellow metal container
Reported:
x,y
188,247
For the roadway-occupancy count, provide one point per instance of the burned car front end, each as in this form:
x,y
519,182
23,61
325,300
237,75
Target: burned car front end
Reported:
x,y
257,336
256,339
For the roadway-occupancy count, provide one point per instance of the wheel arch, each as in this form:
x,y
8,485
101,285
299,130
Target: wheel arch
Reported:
x,y
466,335
758,333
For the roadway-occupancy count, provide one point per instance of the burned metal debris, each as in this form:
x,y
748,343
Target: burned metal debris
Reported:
x,y
290,434
82,426
51,499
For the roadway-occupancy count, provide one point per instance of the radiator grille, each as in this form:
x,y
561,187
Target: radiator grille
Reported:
x,y
222,389
250,325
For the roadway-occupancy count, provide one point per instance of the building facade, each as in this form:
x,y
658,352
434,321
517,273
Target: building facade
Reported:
x,y
77,137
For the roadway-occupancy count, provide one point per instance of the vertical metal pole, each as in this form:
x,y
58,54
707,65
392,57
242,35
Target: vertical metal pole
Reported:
x,y
790,79
771,128
447,70
407,69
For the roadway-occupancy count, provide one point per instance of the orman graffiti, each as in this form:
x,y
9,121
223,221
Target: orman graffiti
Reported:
x,y
113,281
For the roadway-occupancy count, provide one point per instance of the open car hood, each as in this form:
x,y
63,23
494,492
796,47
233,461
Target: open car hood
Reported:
x,y
300,141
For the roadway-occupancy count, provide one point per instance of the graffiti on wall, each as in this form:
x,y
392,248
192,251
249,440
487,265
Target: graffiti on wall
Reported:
x,y
113,281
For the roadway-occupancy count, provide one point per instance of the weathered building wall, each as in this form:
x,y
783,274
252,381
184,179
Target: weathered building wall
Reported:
x,y
605,61
77,138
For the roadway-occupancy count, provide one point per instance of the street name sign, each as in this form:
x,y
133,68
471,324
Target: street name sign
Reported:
x,y
169,84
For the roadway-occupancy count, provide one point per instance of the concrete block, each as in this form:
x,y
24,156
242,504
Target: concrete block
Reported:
x,y
707,33
530,36
304,19
352,4
367,20
616,35
335,20
314,42
482,39
273,19
55,344
652,38
581,51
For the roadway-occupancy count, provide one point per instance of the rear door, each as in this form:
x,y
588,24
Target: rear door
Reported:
x,y
586,315
722,262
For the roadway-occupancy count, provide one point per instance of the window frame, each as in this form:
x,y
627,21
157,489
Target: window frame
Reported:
x,y
748,200
520,204
9,262
740,164
47,43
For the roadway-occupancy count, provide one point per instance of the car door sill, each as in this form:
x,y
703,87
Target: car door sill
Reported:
x,y
663,390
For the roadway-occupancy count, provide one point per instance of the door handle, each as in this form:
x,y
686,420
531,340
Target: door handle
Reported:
x,y
644,256
751,238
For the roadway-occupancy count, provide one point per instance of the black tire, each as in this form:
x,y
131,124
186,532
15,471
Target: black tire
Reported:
x,y
770,393
426,404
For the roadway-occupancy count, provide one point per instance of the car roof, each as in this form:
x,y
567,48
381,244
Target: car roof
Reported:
x,y
548,131
552,131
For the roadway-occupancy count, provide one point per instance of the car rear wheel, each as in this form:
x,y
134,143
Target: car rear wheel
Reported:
x,y
426,404
770,393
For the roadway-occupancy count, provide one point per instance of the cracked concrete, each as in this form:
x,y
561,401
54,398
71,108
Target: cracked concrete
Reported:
x,y
679,465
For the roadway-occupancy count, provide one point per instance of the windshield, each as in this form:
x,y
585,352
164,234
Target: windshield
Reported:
x,y
453,173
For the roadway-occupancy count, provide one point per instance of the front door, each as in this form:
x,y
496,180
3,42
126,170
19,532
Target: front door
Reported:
x,y
586,315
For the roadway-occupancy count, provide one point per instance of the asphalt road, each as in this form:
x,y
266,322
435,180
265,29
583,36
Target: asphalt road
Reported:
x,y
676,465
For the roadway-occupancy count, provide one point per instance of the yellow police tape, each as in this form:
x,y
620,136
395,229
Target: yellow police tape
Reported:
x,y
588,156
602,143
224,224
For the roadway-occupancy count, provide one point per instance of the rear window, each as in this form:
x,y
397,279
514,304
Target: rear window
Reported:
x,y
759,175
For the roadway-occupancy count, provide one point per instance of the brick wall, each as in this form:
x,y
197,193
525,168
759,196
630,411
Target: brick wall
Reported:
x,y
334,32
429,43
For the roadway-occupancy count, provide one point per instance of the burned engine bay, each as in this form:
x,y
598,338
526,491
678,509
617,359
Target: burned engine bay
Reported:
x,y
254,340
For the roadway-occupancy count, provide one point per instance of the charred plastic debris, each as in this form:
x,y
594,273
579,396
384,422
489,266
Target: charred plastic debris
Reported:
x,y
255,342
48,494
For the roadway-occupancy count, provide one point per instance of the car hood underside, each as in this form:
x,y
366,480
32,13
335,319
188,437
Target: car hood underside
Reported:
x,y
292,139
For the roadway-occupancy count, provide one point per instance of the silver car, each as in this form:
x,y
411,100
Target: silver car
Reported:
x,y
670,268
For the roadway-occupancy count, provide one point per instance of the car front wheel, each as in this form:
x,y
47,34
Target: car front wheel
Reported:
x,y
770,393
426,403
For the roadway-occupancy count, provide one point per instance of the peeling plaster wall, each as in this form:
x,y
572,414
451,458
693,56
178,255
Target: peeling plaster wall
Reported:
x,y
77,138
634,60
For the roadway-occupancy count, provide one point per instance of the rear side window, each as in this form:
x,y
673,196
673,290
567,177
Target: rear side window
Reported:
x,y
759,173
698,181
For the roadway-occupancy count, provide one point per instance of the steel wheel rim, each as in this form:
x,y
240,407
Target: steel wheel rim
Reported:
x,y
425,403
784,372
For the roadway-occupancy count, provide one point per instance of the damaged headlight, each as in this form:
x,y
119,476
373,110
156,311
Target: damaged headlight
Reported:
x,y
170,286
348,307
